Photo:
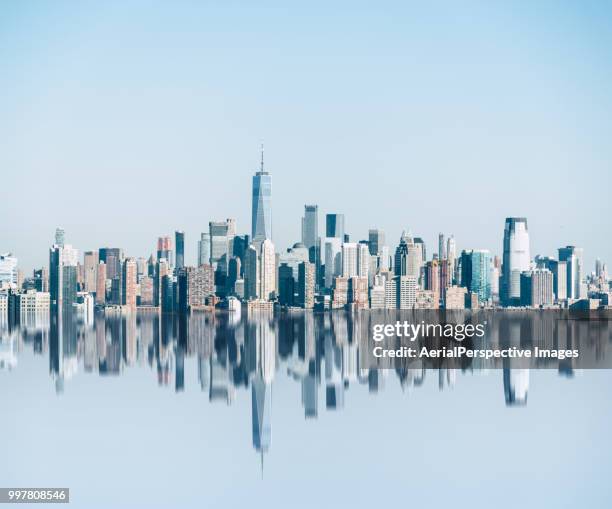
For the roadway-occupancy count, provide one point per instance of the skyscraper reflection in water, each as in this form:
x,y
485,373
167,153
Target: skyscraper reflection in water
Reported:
x,y
230,352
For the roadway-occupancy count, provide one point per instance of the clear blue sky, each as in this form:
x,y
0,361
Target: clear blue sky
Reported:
x,y
121,121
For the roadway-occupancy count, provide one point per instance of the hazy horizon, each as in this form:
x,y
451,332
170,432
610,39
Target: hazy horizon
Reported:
x,y
121,123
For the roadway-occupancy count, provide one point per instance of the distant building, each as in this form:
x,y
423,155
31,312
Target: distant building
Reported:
x,y
8,270
164,250
179,243
537,288
101,283
286,285
334,226
358,292
251,274
204,249
21,304
146,291
268,270
516,259
128,280
306,285
310,226
476,273
113,258
573,258
90,270
455,297
261,213
333,259
426,299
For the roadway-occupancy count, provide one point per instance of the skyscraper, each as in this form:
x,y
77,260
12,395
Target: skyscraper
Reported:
x,y
164,249
221,238
310,226
441,247
476,273
261,216
516,259
128,280
112,257
408,257
333,259
537,288
8,270
179,243
90,268
204,249
376,240
268,270
59,237
101,284
573,256
334,226
349,259
306,285
63,275
251,273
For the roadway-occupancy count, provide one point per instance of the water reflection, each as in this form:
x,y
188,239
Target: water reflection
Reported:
x,y
235,352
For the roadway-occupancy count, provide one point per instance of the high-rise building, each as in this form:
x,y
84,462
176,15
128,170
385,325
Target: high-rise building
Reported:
x,y
204,249
286,285
179,243
376,241
268,270
358,292
310,226
59,237
476,272
63,275
113,258
573,258
261,213
537,288
164,249
41,279
234,270
101,284
334,226
363,260
8,270
559,273
406,287
441,247
516,259
432,276
146,291
221,239
251,273
195,285
333,259
408,257
306,285
90,267
128,280
349,259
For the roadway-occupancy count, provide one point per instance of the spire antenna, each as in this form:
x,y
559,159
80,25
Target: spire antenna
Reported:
x,y
262,157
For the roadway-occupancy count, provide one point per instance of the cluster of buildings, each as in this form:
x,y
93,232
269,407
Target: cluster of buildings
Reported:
x,y
325,272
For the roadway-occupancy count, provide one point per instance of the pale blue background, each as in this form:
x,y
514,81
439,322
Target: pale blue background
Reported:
x,y
121,121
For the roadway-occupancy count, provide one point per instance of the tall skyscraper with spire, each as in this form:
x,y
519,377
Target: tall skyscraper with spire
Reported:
x,y
261,216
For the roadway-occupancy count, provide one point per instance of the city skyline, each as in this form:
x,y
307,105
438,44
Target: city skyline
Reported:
x,y
359,126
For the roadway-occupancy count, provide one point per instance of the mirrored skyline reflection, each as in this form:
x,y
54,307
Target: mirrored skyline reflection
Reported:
x,y
320,352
